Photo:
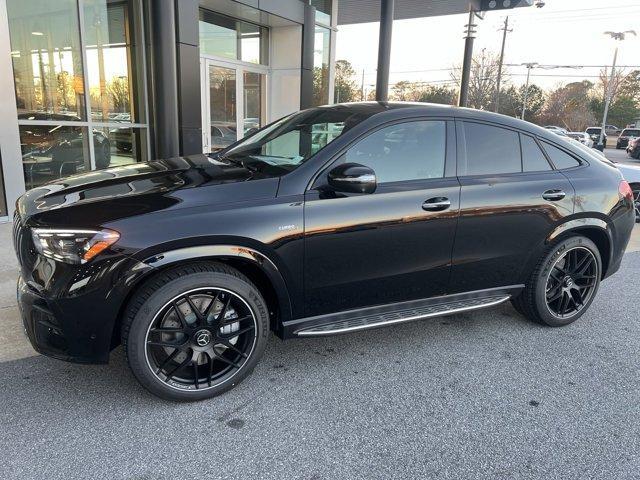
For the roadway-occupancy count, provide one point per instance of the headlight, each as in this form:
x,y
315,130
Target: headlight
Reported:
x,y
72,246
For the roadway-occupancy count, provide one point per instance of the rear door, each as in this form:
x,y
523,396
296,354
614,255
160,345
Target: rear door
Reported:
x,y
391,245
511,199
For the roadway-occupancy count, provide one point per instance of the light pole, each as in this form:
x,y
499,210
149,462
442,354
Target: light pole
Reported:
x,y
619,36
505,29
529,66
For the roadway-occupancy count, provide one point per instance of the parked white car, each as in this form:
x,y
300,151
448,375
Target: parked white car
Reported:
x,y
581,137
631,174
558,130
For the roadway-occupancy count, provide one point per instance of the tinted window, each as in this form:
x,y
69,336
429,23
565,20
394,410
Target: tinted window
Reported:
x,y
406,151
593,131
284,145
491,150
559,158
533,160
629,132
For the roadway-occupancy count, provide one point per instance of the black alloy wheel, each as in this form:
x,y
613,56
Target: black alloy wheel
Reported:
x,y
563,284
195,331
571,282
201,339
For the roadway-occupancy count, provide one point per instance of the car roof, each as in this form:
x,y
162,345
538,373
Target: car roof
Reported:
x,y
383,111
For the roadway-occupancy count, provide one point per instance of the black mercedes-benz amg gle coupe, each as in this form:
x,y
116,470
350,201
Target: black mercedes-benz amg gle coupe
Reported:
x,y
334,219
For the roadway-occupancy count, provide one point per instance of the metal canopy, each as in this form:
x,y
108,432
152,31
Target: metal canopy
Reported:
x,y
363,11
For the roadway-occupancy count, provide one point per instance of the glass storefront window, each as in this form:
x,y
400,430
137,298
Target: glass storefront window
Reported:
x,y
46,55
321,66
120,146
323,11
222,96
222,36
253,101
50,152
110,61
49,40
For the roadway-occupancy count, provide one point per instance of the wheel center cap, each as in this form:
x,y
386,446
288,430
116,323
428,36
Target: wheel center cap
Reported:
x,y
568,282
203,338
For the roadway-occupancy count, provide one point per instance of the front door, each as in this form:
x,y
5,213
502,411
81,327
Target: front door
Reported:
x,y
389,246
234,102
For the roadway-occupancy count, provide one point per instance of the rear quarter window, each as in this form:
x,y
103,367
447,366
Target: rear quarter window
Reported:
x,y
560,159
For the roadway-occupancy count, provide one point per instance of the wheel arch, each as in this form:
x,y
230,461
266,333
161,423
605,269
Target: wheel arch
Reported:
x,y
595,229
255,265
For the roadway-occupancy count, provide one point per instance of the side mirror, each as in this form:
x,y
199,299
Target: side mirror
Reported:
x,y
352,178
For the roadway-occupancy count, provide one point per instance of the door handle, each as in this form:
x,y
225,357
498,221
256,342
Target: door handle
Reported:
x,y
436,204
553,195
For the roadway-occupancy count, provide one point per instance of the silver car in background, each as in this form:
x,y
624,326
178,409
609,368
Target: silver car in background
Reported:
x,y
581,137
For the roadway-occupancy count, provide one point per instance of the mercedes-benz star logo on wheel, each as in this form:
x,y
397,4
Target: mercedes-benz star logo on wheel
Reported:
x,y
203,338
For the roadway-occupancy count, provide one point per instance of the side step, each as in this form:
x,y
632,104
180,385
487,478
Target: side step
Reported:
x,y
365,322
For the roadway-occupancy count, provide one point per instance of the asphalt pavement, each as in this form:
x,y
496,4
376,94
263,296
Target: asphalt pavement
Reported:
x,y
477,395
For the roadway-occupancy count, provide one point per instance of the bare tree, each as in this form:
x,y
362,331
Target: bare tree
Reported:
x,y
482,82
568,106
604,86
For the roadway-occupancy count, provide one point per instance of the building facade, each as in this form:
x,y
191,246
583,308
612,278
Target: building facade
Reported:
x,y
91,84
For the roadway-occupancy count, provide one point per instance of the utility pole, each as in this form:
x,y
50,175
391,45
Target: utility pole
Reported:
x,y
530,66
468,58
362,89
505,29
619,36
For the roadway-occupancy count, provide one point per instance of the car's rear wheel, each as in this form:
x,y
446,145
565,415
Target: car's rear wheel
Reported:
x,y
563,284
195,331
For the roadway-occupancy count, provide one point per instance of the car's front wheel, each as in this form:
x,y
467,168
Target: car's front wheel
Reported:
x,y
563,284
195,331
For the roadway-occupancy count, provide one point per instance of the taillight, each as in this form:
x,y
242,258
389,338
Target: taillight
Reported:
x,y
625,190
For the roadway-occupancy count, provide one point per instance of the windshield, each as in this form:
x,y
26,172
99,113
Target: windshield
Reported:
x,y
593,131
286,144
629,132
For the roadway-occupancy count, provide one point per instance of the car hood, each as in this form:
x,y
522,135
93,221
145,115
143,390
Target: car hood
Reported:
x,y
100,196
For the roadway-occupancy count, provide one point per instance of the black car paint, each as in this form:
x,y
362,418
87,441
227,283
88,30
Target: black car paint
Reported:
x,y
317,252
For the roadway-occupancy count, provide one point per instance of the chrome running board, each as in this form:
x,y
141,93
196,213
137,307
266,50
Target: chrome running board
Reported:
x,y
365,322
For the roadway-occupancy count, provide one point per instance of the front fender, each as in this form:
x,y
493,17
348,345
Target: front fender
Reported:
x,y
262,261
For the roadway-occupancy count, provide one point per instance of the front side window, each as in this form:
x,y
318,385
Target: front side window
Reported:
x,y
286,144
491,150
402,152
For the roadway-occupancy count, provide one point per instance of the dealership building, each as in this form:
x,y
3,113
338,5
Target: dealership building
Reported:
x,y
91,84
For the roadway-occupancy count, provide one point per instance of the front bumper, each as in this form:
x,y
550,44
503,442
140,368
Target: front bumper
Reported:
x,y
41,327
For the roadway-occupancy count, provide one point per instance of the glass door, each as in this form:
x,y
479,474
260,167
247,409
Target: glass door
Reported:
x,y
233,102
223,114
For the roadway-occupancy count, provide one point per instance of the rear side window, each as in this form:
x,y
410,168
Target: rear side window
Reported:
x,y
533,160
402,152
560,159
491,150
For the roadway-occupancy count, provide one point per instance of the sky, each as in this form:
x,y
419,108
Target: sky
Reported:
x,y
563,32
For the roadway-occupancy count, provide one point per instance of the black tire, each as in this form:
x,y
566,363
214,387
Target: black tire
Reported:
x,y
532,302
161,292
103,155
